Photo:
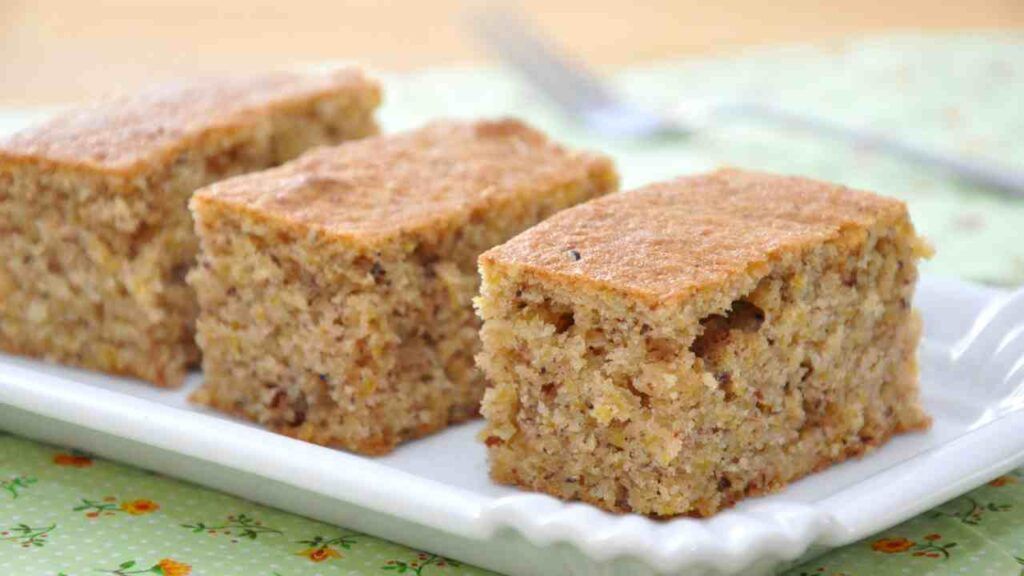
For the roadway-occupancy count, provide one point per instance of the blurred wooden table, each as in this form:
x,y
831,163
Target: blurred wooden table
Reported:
x,y
65,50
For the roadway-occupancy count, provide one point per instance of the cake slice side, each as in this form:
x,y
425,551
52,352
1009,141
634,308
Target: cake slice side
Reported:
x,y
684,405
95,226
362,336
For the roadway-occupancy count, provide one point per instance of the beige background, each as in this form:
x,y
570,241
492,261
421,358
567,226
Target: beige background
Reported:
x,y
63,50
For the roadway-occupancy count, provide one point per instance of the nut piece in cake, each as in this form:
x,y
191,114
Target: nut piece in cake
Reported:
x,y
336,291
676,348
94,225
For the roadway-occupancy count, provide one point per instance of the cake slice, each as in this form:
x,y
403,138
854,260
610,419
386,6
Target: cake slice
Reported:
x,y
94,225
674,349
336,291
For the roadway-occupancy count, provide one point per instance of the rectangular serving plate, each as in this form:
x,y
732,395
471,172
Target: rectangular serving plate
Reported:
x,y
435,494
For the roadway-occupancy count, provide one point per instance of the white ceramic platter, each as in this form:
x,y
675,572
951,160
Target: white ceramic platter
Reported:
x,y
435,494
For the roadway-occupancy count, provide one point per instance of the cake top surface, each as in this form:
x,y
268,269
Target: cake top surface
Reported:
x,y
381,186
675,238
128,133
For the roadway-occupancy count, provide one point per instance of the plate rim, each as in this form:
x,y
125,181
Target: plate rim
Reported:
x,y
761,531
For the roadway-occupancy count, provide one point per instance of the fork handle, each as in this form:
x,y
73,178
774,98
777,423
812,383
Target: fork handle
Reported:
x,y
984,173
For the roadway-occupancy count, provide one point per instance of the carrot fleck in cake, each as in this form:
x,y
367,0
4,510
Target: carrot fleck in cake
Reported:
x,y
336,291
674,349
94,225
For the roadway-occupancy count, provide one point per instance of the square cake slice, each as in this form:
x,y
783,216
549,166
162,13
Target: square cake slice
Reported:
x,y
336,291
676,348
94,225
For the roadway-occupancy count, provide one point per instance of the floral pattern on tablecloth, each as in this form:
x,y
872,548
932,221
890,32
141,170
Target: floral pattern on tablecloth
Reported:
x,y
66,512
63,512
980,533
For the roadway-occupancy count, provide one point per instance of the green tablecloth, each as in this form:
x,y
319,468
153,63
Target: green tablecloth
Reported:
x,y
63,512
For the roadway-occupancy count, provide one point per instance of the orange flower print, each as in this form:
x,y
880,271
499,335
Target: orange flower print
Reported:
x,y
929,548
1003,481
321,549
72,460
139,507
321,554
171,567
165,567
892,545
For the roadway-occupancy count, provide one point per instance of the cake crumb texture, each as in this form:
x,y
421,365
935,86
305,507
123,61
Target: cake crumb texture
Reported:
x,y
674,349
336,290
94,224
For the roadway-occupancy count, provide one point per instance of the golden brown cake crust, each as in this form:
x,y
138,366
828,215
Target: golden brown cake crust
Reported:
x,y
372,189
97,237
336,292
671,351
133,133
668,240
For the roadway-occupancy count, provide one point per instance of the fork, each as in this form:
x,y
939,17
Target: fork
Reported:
x,y
582,95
